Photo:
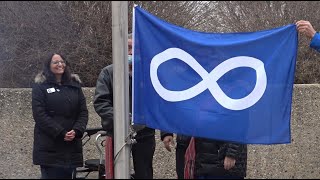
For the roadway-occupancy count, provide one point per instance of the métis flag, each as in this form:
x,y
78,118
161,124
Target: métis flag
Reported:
x,y
233,87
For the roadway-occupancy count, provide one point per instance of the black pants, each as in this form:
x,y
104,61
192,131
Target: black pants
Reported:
x,y
180,152
49,172
142,154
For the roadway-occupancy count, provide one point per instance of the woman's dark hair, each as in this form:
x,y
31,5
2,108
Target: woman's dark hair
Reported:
x,y
50,77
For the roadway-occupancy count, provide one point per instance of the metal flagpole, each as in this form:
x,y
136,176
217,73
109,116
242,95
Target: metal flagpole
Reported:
x,y
120,88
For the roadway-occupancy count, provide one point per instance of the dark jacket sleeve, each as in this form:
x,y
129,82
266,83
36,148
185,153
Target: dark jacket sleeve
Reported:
x,y
82,121
103,100
315,42
163,134
42,119
232,150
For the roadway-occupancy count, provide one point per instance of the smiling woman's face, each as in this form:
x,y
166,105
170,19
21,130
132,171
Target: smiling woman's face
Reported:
x,y
57,65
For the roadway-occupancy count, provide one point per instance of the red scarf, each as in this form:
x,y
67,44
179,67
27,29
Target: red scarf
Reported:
x,y
189,160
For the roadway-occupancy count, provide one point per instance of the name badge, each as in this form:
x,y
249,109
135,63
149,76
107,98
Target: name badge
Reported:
x,y
51,90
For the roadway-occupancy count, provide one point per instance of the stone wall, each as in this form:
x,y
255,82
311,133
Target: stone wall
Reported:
x,y
300,159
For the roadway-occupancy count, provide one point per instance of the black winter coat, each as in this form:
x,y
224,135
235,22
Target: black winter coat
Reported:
x,y
210,156
58,109
103,103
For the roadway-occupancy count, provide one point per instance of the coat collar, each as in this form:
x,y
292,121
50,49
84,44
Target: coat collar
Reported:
x,y
75,79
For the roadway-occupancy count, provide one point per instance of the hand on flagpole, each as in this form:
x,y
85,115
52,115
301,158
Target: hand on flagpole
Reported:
x,y
168,142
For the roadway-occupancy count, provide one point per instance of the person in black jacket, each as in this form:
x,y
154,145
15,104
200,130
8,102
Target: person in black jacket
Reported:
x,y
143,150
213,158
61,116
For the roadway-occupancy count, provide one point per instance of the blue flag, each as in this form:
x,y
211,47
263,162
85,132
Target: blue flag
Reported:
x,y
233,87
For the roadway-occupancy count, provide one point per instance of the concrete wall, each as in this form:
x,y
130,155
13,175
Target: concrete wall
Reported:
x,y
300,159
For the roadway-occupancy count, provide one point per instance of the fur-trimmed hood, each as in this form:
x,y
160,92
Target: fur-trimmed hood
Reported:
x,y
40,78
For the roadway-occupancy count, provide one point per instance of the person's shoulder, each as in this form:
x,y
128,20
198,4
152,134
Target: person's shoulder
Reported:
x,y
40,82
75,80
108,69
40,78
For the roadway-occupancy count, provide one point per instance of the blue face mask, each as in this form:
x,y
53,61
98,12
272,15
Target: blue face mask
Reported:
x,y
130,59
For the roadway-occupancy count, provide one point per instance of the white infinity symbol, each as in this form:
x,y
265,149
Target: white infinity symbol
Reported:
x,y
210,79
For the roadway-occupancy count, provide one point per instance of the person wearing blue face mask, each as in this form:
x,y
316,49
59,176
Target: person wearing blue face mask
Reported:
x,y
129,59
143,150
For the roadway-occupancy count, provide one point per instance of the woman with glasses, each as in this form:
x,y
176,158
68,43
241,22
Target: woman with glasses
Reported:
x,y
61,116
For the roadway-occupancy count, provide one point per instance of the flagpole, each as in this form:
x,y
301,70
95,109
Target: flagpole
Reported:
x,y
120,88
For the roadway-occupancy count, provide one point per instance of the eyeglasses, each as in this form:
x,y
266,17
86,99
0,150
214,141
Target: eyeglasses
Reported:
x,y
57,62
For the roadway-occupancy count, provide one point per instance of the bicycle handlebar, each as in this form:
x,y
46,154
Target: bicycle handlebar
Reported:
x,y
92,131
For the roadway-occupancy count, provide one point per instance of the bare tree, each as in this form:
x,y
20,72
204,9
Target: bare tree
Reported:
x,y
82,31
248,16
79,29
29,30
92,22
188,14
